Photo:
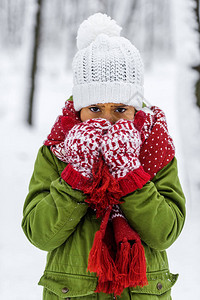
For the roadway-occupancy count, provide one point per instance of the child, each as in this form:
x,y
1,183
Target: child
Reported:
x,y
105,199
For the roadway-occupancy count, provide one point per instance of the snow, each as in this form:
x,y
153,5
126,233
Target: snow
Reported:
x,y
168,84
183,254
21,263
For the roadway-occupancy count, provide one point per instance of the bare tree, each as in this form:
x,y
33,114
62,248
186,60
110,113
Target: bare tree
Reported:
x,y
197,67
37,32
79,11
130,15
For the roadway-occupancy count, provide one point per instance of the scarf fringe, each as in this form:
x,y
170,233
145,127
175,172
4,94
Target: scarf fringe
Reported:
x,y
104,286
128,269
99,260
123,260
131,265
137,270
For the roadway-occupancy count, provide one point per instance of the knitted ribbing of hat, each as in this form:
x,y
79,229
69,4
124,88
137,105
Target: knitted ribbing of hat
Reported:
x,y
108,60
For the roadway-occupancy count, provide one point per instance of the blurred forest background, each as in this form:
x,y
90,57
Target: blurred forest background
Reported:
x,y
51,26
37,44
148,22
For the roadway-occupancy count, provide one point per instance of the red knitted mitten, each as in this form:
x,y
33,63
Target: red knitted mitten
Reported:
x,y
82,145
121,147
147,128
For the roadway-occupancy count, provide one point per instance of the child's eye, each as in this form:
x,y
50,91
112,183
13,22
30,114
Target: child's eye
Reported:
x,y
94,109
120,110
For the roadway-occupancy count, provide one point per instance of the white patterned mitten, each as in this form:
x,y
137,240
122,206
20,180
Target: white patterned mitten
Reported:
x,y
121,147
82,144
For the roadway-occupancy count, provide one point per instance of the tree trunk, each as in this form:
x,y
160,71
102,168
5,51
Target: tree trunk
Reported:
x,y
197,67
149,32
130,15
37,31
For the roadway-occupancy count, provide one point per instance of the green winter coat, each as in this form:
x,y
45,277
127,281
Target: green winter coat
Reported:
x,y
56,219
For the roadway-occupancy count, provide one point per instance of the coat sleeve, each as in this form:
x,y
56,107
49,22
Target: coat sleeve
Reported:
x,y
52,208
157,211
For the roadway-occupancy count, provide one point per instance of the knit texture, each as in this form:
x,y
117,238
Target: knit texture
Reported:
x,y
158,148
93,26
82,144
121,147
108,68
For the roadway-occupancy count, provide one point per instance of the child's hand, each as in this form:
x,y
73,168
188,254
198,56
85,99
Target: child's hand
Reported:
x,y
82,144
121,147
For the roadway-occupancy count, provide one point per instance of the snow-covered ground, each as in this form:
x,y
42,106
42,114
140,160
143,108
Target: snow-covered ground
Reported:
x,y
172,89
21,263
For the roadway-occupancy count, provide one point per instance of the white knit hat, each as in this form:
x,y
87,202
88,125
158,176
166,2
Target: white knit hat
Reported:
x,y
107,67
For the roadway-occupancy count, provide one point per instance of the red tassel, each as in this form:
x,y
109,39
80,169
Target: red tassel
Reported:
x,y
100,260
129,269
123,260
104,287
117,287
110,287
137,271
102,263
94,260
131,265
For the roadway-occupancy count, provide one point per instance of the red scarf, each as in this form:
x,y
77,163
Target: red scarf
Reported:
x,y
117,255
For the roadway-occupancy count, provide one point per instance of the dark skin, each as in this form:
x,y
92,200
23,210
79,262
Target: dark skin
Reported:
x,y
109,111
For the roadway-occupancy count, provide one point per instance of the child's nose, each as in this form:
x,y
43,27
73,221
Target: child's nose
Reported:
x,y
108,116
110,119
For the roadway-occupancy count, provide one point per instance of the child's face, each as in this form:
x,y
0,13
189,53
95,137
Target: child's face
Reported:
x,y
109,111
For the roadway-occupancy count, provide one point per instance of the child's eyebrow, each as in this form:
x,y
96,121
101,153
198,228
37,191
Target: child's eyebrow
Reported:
x,y
98,105
119,105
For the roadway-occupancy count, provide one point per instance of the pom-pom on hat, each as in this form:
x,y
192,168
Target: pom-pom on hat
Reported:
x,y
107,67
